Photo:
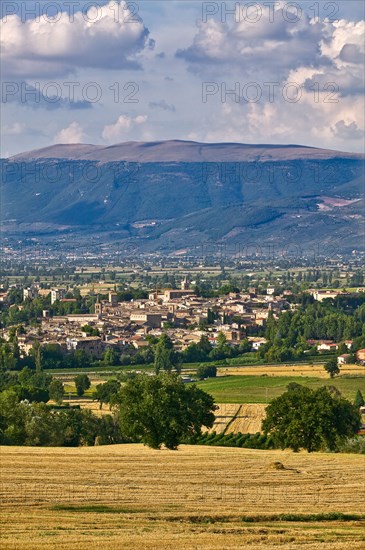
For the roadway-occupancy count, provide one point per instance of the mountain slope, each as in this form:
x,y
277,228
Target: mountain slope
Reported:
x,y
165,196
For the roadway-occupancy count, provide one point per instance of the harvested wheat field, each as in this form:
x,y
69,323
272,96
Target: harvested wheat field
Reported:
x,y
316,370
234,418
132,497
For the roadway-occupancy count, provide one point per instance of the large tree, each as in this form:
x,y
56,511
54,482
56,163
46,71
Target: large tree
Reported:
x,y
332,367
302,418
162,410
165,355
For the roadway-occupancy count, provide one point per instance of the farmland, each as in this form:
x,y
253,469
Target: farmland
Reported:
x,y
129,496
264,388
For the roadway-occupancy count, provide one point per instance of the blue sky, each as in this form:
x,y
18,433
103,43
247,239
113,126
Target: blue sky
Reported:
x,y
110,71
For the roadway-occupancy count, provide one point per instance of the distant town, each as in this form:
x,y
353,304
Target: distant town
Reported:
x,y
83,316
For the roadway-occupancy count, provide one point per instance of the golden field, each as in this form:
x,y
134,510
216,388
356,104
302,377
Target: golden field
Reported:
x,y
316,370
132,497
238,418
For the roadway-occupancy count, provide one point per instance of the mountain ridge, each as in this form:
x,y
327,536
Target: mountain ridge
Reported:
x,y
180,151
171,195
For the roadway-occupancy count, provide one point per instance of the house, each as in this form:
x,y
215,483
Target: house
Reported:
x,y
320,295
327,345
360,356
93,345
256,343
343,359
348,343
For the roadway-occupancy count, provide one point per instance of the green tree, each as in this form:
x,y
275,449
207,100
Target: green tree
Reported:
x,y
332,367
221,340
359,400
165,356
56,391
111,357
314,420
204,344
162,410
82,383
206,371
107,393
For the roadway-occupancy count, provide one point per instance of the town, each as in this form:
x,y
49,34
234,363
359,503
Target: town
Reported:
x,y
209,315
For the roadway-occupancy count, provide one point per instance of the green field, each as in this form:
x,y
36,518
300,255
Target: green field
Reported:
x,y
263,389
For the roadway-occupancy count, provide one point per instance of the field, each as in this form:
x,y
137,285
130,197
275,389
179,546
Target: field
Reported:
x,y
234,418
305,369
129,496
264,388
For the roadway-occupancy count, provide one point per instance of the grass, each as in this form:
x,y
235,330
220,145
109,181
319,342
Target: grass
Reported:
x,y
263,389
206,498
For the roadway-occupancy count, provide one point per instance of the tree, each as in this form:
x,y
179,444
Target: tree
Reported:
x,y
165,356
359,400
161,409
111,357
56,391
82,383
107,393
332,367
37,356
206,371
204,344
310,419
221,340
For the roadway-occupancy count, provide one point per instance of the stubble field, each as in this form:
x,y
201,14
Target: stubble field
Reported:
x,y
132,497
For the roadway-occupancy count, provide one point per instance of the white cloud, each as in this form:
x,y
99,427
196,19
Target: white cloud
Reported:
x,y
101,38
120,129
15,129
74,133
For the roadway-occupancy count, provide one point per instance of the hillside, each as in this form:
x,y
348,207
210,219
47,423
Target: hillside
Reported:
x,y
129,496
167,196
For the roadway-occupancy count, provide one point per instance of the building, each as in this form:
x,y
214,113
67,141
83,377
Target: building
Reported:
x,y
92,345
343,359
360,356
327,346
185,283
171,294
113,299
98,309
57,294
152,319
320,295
30,293
256,342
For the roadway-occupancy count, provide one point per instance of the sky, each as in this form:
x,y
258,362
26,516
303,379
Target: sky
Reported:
x,y
109,71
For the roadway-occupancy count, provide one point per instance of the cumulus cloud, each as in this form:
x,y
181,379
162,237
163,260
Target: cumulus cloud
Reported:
x,y
74,133
119,130
347,131
96,38
269,47
333,51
